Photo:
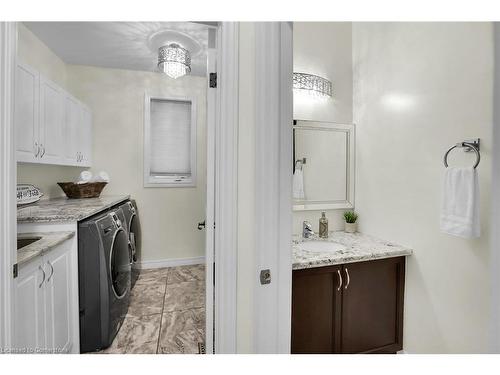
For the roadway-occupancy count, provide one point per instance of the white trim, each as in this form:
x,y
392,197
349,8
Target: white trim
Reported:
x,y
226,184
8,218
169,181
162,263
494,339
273,185
348,203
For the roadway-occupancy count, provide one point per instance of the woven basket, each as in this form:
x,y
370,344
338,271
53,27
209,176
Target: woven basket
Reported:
x,y
77,191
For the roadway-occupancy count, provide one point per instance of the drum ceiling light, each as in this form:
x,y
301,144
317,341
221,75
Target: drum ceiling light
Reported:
x,y
174,61
312,84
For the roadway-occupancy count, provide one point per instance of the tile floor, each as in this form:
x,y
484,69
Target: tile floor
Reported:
x,y
166,313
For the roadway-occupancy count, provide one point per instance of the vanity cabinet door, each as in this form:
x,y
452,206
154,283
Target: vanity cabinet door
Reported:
x,y
372,306
29,318
71,131
58,298
51,122
316,298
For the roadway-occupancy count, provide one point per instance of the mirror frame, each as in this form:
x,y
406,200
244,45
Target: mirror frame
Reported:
x,y
349,130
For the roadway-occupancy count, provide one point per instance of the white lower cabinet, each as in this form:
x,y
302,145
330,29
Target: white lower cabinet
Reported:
x,y
45,302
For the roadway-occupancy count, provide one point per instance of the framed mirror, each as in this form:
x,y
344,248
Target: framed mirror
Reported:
x,y
323,165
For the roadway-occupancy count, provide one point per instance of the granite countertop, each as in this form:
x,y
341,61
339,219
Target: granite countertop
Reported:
x,y
345,248
65,210
47,241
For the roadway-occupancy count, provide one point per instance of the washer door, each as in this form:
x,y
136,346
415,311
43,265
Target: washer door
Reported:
x,y
119,264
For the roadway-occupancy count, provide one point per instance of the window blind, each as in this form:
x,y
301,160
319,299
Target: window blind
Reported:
x,y
170,137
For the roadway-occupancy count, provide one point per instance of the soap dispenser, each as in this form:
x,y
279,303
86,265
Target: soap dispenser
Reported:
x,y
323,225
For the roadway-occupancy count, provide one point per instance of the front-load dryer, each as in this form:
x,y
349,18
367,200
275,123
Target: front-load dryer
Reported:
x,y
129,215
104,279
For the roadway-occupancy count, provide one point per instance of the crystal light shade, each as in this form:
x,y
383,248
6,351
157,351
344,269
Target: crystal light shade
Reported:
x,y
174,61
312,84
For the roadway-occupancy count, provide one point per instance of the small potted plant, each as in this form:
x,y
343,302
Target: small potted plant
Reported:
x,y
350,221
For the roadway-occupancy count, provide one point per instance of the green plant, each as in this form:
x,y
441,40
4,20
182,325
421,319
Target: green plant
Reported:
x,y
350,217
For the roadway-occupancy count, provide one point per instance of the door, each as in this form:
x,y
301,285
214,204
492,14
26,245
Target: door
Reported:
x,y
29,317
58,298
85,139
51,122
71,123
316,299
26,106
372,306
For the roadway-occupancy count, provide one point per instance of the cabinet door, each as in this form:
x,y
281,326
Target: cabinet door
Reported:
x,y
316,295
58,301
29,318
26,106
71,133
51,122
86,136
372,306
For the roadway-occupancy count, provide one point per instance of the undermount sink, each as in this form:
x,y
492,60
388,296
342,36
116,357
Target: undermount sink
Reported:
x,y
321,246
23,242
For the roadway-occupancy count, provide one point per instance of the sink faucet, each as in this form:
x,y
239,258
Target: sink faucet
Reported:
x,y
307,229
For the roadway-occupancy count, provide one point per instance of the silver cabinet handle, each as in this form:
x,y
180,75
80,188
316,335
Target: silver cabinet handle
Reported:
x,y
37,149
348,278
43,150
340,280
51,272
41,269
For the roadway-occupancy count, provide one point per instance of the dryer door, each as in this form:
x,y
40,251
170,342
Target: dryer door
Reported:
x,y
119,264
135,236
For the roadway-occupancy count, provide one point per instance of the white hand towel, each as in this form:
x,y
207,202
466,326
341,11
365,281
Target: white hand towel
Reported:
x,y
460,209
85,177
298,184
101,177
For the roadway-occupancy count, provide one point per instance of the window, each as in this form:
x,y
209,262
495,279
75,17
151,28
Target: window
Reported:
x,y
169,142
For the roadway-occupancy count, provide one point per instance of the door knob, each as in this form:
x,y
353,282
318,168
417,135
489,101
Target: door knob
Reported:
x,y
201,225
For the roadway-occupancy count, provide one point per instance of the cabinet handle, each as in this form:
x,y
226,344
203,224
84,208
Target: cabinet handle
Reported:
x,y
41,269
43,150
348,278
340,281
36,149
52,271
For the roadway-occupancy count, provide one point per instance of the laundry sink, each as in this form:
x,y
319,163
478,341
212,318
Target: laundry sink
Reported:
x,y
321,246
23,242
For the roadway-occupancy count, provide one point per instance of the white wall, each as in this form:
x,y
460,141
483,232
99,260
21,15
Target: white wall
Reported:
x,y
324,49
418,89
33,52
169,216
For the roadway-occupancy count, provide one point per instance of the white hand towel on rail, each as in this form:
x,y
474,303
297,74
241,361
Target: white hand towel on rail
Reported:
x,y
298,184
460,209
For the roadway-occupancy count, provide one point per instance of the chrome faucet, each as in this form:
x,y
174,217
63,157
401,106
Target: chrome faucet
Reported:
x,y
307,229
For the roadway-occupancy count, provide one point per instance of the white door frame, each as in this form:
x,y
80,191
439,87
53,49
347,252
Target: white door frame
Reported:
x,y
226,184
8,219
273,185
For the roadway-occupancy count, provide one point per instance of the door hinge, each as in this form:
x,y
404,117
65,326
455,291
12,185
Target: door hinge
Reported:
x,y
213,80
265,277
14,270
213,274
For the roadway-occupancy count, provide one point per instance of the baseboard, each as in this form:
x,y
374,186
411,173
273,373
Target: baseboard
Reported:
x,y
161,263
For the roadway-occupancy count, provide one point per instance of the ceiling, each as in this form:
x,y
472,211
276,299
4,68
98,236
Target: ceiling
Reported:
x,y
122,45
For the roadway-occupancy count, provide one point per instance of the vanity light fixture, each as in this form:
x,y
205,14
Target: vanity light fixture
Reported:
x,y
174,61
312,84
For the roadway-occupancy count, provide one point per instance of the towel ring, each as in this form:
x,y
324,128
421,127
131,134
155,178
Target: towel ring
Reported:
x,y
471,146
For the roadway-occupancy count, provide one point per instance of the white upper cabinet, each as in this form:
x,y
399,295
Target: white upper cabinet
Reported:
x,y
86,137
26,115
71,131
52,127
51,122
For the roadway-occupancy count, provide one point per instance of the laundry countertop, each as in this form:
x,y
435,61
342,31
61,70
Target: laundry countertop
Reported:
x,y
66,210
47,241
350,248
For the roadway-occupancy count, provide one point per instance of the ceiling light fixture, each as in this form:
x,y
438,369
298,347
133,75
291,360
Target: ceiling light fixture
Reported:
x,y
312,84
174,61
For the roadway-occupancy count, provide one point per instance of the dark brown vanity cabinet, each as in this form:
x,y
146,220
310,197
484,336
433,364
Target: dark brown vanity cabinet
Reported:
x,y
350,308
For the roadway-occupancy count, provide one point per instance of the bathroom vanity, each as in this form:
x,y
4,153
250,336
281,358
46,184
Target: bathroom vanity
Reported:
x,y
347,294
